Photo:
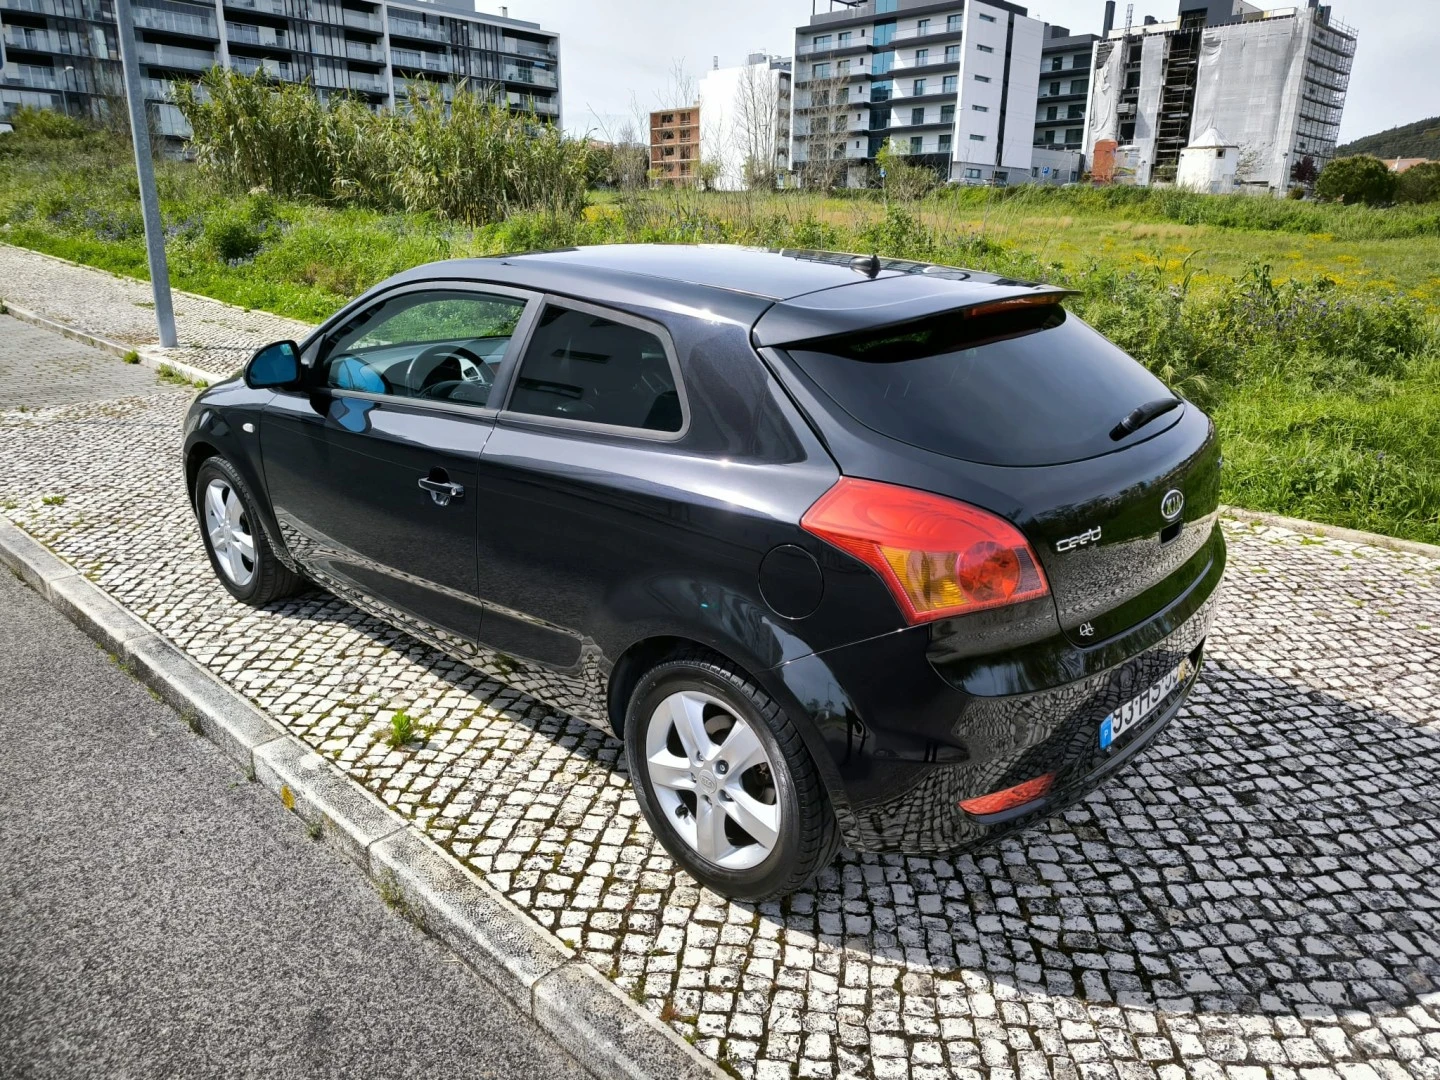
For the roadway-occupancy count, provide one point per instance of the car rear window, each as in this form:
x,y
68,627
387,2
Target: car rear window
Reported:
x,y
1026,386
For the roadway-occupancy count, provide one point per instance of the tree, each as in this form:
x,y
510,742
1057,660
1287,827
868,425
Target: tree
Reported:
x,y
1305,171
1357,179
824,108
757,125
903,181
1419,184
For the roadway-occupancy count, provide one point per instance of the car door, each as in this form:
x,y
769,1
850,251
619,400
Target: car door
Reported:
x,y
576,475
371,465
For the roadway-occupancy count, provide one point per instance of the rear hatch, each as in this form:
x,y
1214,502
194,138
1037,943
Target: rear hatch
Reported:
x,y
1009,402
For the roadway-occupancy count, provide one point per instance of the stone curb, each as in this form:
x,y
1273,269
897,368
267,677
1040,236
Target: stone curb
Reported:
x,y
1335,532
151,356
583,1011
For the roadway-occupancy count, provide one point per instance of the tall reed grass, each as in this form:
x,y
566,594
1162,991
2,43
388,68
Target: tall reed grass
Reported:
x,y
468,158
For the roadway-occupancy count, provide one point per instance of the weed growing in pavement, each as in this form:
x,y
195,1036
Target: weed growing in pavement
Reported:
x,y
11,504
191,718
167,374
287,797
131,357
315,829
402,730
393,897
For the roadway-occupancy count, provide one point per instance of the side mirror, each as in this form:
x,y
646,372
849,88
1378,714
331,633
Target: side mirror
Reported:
x,y
274,366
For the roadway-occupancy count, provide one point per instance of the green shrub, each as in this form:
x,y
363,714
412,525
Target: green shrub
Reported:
x,y
46,124
1359,179
232,236
1419,184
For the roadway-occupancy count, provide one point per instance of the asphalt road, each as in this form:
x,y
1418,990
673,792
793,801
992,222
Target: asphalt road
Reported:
x,y
160,916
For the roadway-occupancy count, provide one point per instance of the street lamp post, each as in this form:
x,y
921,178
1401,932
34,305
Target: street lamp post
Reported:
x,y
67,75
145,170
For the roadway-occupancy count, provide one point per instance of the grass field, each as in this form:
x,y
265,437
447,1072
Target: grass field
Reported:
x,y
1310,332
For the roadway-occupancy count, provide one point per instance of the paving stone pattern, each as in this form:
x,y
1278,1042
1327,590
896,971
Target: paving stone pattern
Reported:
x,y
1258,898
73,372
212,336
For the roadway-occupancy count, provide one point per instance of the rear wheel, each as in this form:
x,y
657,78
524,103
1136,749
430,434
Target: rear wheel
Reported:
x,y
239,550
726,782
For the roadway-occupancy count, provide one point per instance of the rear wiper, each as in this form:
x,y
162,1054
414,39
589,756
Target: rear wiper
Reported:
x,y
1139,417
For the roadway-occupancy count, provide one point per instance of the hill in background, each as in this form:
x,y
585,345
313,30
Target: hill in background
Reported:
x,y
1420,139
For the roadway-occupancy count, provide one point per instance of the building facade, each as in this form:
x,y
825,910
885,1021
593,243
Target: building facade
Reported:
x,y
746,134
1058,157
1271,83
953,85
64,55
675,145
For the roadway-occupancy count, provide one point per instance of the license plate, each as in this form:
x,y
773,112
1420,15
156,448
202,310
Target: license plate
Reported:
x,y
1137,709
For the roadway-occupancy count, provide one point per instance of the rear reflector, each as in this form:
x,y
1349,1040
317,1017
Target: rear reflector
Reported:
x,y
939,557
1011,797
1014,303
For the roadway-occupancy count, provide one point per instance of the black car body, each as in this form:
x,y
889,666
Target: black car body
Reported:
x,y
696,502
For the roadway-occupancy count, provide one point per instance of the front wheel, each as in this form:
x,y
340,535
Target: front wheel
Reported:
x,y
726,782
235,540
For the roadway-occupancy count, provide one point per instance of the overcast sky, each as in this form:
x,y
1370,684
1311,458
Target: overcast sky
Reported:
x,y
611,48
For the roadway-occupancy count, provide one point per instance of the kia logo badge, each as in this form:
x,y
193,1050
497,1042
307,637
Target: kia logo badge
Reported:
x,y
1172,504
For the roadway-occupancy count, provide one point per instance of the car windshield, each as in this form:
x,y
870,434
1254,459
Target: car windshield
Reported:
x,y
1026,386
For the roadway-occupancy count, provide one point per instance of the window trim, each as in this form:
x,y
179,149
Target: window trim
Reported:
x,y
322,339
562,424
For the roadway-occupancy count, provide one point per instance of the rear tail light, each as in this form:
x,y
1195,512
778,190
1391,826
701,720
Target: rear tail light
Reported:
x,y
938,556
1011,797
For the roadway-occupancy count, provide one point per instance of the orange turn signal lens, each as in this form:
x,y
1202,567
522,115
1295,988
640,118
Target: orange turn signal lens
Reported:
x,y
938,556
1011,797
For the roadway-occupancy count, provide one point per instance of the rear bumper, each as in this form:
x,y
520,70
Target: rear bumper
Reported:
x,y
910,738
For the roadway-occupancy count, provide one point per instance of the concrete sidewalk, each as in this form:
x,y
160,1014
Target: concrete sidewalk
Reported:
x,y
162,916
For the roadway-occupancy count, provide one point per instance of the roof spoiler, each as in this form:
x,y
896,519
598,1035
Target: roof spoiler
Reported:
x,y
891,301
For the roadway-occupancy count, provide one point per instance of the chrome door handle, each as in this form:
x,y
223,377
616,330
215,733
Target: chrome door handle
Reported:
x,y
442,491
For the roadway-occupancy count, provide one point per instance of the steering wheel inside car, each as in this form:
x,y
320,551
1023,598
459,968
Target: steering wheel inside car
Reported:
x,y
449,361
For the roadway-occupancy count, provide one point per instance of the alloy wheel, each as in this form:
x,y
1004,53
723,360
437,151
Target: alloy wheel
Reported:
x,y
228,527
713,780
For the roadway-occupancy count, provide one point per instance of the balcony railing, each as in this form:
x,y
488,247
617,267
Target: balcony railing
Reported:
x,y
271,7
540,106
177,57
278,69
359,20
25,37
537,76
32,77
357,50
517,47
168,120
175,23
416,29
246,34
373,84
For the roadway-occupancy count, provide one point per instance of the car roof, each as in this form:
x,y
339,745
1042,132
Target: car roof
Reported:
x,y
770,274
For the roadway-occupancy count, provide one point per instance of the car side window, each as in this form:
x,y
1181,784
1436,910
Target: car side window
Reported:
x,y
433,345
583,366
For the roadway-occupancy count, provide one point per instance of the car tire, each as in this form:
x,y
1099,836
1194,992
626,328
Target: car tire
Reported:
x,y
235,539
758,831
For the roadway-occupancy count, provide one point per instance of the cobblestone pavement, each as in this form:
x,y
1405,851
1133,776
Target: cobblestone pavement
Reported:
x,y
214,337
73,372
1258,898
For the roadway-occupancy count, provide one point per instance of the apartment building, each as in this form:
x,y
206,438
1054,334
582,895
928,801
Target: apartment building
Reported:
x,y
1271,84
63,54
1058,157
675,145
951,84
747,120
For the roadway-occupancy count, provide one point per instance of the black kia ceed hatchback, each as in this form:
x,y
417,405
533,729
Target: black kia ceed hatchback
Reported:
x,y
843,548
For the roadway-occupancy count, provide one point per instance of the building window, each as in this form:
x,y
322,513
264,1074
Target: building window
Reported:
x,y
1054,88
1075,112
1057,63
880,91
883,62
984,48
947,114
917,116
883,6
1074,135
972,174
820,71
922,56
1052,113
948,83
1079,86
980,108
820,41
1050,136
842,39
915,144
952,54
922,27
944,144
952,23
987,18
918,87
982,78
977,138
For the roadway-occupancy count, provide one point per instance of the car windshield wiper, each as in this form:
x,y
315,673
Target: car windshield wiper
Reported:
x,y
1142,415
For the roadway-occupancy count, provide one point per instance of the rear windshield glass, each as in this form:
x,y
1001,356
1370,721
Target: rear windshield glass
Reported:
x,y
1033,386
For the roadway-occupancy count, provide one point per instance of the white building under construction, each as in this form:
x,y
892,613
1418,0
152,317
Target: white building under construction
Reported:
x,y
1270,84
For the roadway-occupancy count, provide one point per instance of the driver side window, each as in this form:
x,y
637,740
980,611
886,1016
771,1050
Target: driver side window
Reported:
x,y
437,345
